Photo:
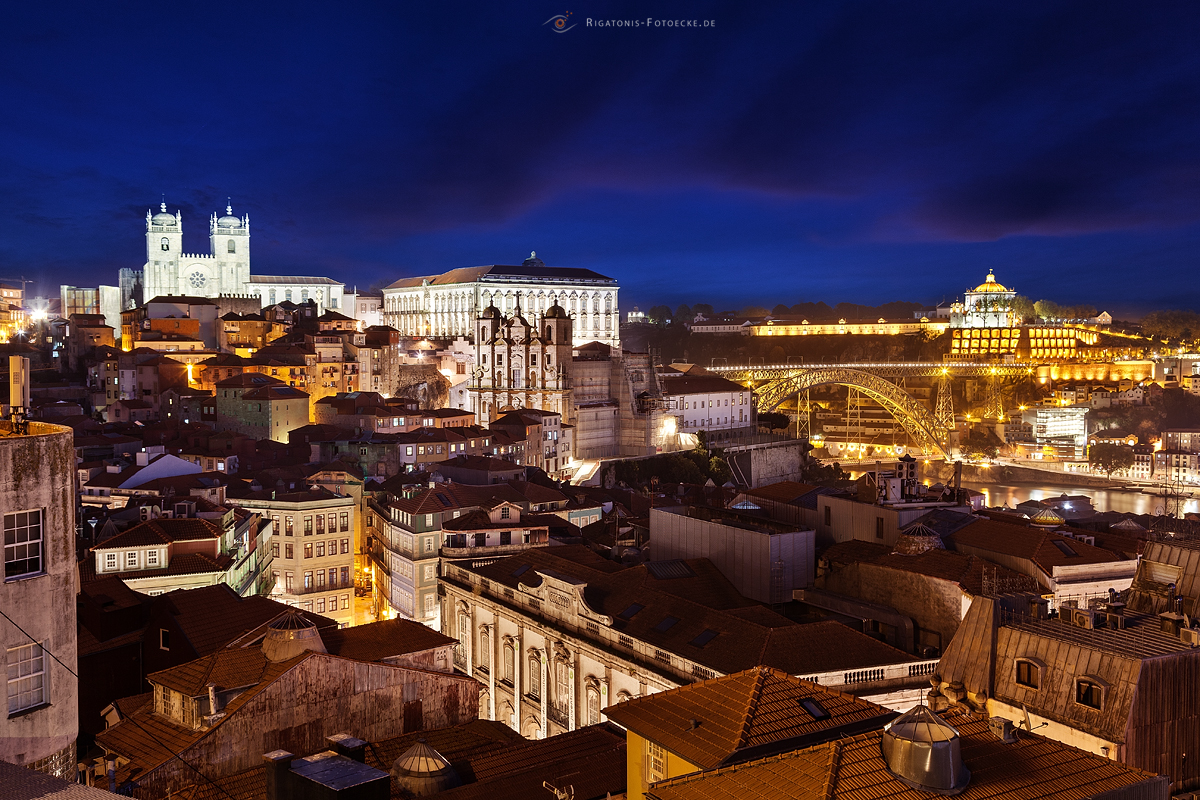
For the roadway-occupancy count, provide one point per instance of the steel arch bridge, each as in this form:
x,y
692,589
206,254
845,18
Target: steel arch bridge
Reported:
x,y
920,425
927,431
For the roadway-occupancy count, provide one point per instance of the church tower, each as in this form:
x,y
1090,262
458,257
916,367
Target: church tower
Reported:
x,y
229,243
164,245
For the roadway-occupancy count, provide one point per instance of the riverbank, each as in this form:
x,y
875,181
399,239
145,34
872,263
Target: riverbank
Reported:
x,y
943,472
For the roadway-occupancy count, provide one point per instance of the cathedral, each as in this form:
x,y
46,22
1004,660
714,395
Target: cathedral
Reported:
x,y
225,269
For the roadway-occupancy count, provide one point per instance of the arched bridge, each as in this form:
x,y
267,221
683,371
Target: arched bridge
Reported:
x,y
928,431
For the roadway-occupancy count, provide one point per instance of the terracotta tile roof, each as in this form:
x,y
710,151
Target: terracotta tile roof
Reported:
x,y
965,570
186,564
746,714
782,492
701,600
161,531
1033,768
23,783
536,493
227,668
212,617
379,640
985,535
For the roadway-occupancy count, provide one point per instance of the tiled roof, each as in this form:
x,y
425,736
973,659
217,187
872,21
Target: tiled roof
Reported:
x,y
1033,768
499,272
376,641
211,617
699,384
536,493
186,564
227,668
702,600
1039,546
782,492
720,721
23,783
161,531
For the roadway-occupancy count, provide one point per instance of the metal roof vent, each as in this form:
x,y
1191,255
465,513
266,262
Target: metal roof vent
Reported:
x,y
922,751
424,771
289,635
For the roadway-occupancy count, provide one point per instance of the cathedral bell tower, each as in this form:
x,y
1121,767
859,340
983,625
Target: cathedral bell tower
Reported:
x,y
229,242
164,245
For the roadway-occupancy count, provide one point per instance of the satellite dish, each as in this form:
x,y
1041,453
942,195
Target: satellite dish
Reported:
x,y
1028,722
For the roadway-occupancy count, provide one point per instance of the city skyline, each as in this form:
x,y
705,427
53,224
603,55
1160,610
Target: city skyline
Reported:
x,y
858,155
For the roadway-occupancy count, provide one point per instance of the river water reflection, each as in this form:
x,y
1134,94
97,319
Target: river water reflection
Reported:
x,y
999,494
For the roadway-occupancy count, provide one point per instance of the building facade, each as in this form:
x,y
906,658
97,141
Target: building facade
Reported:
x,y
37,597
446,306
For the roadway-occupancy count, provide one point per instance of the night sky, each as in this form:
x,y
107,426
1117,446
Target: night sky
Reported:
x,y
794,152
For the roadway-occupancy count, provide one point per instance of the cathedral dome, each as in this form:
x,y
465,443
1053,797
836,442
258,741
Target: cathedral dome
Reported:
x,y
491,312
990,285
229,220
162,217
556,312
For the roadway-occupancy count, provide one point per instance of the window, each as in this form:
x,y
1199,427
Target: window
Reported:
x,y
535,677
345,602
656,761
814,708
26,678
666,624
320,549
345,522
1089,693
345,546
505,512
110,561
345,576
428,544
289,552
320,523
23,543
308,578
321,578
629,612
164,639
308,526
509,659
308,550
165,243
1028,674
879,527
705,636
485,649
151,558
288,581
290,528
232,246
131,559
430,572
275,549
321,605
562,684
593,706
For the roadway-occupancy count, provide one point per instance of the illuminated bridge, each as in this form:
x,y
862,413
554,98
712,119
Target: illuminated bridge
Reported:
x,y
774,383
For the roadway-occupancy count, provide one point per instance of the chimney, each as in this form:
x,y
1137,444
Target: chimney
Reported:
x,y
110,765
279,764
346,745
212,698
143,458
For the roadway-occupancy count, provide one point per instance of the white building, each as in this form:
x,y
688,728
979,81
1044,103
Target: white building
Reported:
x,y
1062,426
225,269
446,306
706,402
988,305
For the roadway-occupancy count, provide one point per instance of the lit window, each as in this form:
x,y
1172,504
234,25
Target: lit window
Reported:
x,y
1089,693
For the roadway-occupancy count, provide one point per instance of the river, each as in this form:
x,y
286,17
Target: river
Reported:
x,y
999,494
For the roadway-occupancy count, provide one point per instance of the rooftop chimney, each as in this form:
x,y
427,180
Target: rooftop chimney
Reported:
x,y
346,745
279,762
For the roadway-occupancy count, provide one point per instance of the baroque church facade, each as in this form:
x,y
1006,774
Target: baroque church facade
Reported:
x,y
522,364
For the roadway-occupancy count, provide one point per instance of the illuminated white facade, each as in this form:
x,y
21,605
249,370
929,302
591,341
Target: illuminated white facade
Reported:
x,y
988,305
446,306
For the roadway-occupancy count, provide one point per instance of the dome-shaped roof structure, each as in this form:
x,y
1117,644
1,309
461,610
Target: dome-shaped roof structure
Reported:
x,y
990,285
556,312
289,635
1127,525
162,217
924,752
229,220
424,771
916,539
1047,518
491,312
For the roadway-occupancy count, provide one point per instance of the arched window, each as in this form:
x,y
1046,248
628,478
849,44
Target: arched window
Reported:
x,y
485,649
166,243
510,657
593,706
1029,673
562,685
232,246
1089,692
464,639
287,295
272,297
304,295
535,677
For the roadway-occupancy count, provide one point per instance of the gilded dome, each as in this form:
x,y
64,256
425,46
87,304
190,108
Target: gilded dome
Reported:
x,y
990,285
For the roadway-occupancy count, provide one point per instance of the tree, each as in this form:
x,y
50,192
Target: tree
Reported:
x,y
978,445
1048,310
1172,325
1110,458
703,308
660,315
683,313
1022,307
753,311
780,311
773,420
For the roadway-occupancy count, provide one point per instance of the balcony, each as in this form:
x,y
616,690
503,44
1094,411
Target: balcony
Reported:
x,y
488,551
558,716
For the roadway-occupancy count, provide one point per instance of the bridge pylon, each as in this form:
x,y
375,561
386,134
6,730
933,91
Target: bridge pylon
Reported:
x,y
944,410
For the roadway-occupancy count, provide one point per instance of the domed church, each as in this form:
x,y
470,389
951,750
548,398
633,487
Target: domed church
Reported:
x,y
225,269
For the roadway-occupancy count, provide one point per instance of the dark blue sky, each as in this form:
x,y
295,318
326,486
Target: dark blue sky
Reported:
x,y
796,151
